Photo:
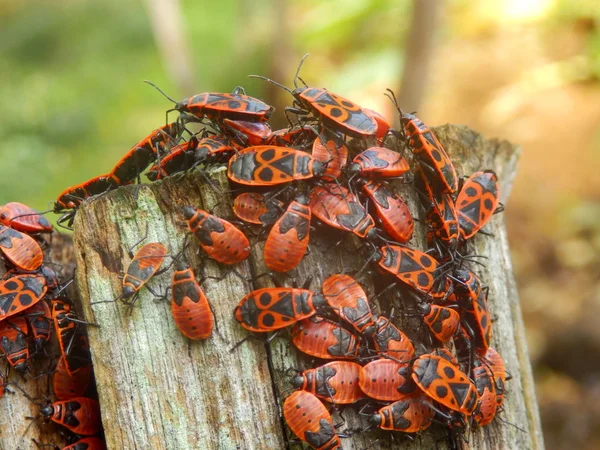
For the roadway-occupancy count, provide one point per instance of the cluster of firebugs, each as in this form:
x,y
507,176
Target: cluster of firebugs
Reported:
x,y
329,167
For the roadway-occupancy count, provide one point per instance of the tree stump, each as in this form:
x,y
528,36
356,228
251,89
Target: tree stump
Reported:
x,y
160,390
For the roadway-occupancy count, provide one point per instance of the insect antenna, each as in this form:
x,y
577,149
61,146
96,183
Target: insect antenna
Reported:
x,y
159,90
272,82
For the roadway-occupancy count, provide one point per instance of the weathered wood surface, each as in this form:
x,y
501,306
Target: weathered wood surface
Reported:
x,y
159,390
16,431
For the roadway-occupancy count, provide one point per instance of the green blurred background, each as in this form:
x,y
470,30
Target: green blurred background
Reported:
x,y
72,102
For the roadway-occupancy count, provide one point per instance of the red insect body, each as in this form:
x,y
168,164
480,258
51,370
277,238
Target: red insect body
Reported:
x,y
296,137
415,268
20,292
391,210
220,239
308,419
336,382
22,218
40,322
477,202
80,415
73,344
390,341
270,309
67,386
336,112
383,126
443,322
496,364
69,200
141,155
251,133
268,165
179,159
254,208
20,249
386,380
348,299
441,216
472,299
324,339
13,342
144,264
287,242
484,382
219,106
88,443
379,162
331,154
445,383
190,308
430,154
335,206
409,415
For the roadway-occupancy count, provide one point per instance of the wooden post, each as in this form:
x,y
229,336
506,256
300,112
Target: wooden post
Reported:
x,y
159,390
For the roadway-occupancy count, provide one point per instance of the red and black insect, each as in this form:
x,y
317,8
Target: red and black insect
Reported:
x,y
144,265
391,210
190,308
88,443
308,419
179,159
296,137
386,380
22,218
13,342
378,162
440,213
69,200
445,383
409,415
429,153
20,292
190,154
325,339
220,239
218,106
335,382
390,341
335,206
335,112
142,154
471,297
39,317
270,309
287,241
383,126
330,152
415,268
73,344
268,165
493,359
255,208
483,379
20,249
247,133
348,299
443,322
477,202
80,415
67,386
